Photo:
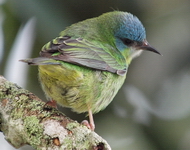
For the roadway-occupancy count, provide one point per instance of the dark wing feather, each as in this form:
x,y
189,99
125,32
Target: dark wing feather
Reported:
x,y
82,52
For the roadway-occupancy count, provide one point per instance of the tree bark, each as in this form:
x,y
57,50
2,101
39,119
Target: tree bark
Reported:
x,y
25,119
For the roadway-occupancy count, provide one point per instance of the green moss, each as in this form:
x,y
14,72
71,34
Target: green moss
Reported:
x,y
33,129
72,125
23,97
80,136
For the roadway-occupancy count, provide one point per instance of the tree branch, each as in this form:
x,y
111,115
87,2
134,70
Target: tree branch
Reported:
x,y
25,119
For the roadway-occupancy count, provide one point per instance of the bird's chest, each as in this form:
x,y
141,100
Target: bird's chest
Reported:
x,y
79,88
105,88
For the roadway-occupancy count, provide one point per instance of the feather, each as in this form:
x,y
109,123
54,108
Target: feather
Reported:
x,y
82,52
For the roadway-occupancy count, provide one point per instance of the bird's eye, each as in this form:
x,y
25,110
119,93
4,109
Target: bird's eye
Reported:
x,y
128,42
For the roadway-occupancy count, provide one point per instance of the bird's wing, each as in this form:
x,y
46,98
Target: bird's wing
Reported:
x,y
82,52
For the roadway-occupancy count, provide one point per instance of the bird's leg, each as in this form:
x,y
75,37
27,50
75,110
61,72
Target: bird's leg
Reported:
x,y
52,103
90,125
91,119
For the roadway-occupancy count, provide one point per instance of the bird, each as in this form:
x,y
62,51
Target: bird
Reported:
x,y
85,66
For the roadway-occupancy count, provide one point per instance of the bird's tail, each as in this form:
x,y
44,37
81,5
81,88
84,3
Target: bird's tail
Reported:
x,y
40,61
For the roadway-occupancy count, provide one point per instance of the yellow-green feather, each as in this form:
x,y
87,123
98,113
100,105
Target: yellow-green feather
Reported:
x,y
79,87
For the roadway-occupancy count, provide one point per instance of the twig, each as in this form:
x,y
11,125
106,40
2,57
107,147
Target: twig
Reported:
x,y
25,119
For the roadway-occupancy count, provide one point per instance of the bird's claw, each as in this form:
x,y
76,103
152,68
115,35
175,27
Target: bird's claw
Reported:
x,y
88,125
52,103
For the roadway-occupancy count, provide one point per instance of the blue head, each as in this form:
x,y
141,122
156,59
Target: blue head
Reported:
x,y
130,28
130,35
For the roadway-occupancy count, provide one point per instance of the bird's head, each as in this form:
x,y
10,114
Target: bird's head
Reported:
x,y
129,34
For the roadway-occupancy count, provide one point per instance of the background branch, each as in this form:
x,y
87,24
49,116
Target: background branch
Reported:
x,y
25,119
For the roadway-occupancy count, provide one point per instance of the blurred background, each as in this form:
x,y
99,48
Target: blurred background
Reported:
x,y
152,110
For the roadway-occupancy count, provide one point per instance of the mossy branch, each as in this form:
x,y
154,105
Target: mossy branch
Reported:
x,y
25,119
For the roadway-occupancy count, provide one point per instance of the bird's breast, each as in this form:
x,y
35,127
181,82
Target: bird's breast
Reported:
x,y
79,87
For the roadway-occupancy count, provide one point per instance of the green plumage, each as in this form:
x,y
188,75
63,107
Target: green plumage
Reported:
x,y
82,87
79,87
85,66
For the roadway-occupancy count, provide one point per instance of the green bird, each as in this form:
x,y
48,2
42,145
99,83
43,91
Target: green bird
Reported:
x,y
85,66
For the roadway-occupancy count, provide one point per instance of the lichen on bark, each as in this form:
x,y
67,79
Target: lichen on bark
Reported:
x,y
25,119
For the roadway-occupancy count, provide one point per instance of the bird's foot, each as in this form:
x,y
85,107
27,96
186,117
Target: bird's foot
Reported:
x,y
88,125
52,103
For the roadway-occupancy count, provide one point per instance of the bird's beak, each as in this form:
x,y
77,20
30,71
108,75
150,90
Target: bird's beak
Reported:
x,y
146,46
